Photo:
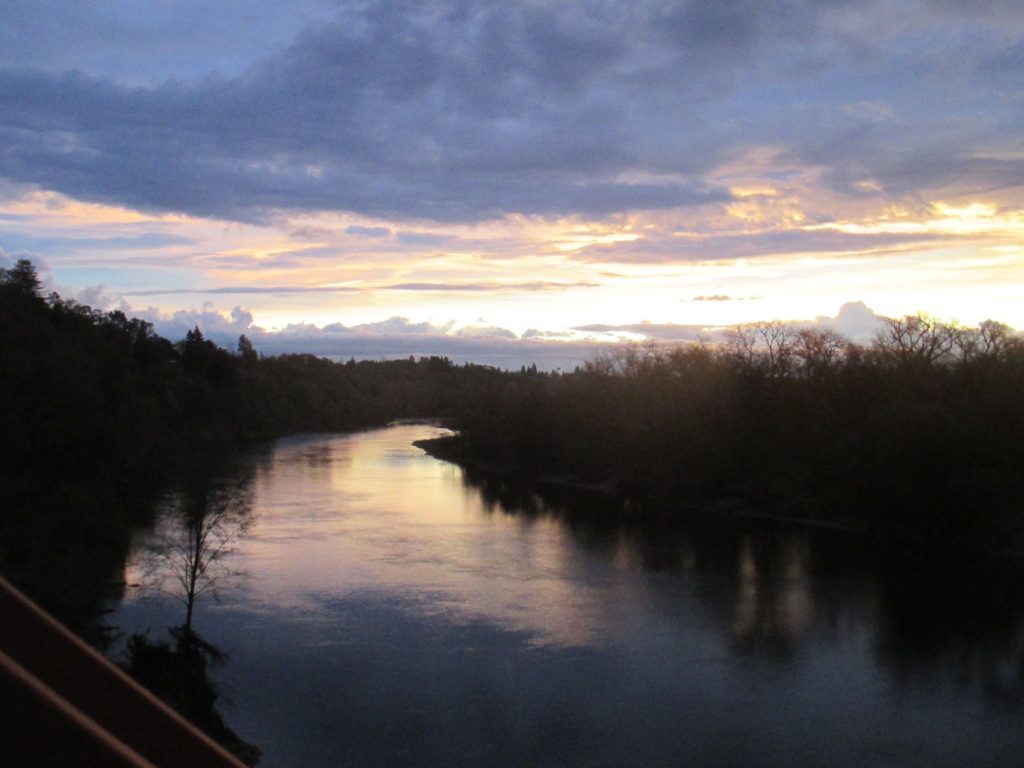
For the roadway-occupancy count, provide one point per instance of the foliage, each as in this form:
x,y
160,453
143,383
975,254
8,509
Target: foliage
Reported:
x,y
177,672
916,434
98,414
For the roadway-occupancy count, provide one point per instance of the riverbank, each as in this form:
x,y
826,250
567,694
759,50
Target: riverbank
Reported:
x,y
652,507
657,509
405,604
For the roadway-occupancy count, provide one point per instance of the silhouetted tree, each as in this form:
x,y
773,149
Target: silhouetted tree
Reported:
x,y
187,558
917,339
22,278
819,350
245,349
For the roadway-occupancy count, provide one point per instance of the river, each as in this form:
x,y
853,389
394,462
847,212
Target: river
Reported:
x,y
380,609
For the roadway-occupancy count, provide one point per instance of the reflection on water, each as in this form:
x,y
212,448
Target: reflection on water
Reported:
x,y
186,554
399,613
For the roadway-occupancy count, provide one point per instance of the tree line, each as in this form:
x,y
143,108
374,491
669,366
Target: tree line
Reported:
x,y
917,433
100,417
82,388
99,413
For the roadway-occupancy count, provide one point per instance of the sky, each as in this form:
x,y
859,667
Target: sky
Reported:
x,y
386,175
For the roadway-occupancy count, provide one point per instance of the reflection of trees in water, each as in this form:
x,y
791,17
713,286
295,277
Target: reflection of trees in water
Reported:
x,y
773,588
944,618
757,578
308,459
187,557
65,541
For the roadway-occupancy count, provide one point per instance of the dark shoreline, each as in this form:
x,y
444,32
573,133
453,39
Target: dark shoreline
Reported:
x,y
653,509
655,512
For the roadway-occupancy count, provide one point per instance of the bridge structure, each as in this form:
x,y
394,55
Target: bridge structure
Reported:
x,y
64,704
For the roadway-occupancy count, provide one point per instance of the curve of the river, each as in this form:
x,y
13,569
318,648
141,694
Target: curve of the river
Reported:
x,y
379,609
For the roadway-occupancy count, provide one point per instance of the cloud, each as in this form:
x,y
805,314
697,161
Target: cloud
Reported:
x,y
402,326
741,245
286,290
424,238
97,297
536,285
53,244
346,119
214,325
276,290
653,331
485,332
373,232
400,337
464,110
143,42
395,337
856,321
534,333
723,297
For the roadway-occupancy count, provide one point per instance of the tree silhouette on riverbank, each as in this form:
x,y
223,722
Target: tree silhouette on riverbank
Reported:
x,y
916,433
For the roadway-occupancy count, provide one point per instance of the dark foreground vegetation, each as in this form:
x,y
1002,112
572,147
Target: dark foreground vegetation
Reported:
x,y
917,436
100,418
98,414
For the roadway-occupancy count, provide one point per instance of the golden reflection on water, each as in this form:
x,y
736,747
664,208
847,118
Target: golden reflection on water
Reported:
x,y
341,515
384,587
773,606
337,516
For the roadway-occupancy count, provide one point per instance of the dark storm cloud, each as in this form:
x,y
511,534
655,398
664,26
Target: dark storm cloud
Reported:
x,y
463,110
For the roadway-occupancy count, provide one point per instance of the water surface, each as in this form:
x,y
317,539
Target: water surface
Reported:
x,y
390,612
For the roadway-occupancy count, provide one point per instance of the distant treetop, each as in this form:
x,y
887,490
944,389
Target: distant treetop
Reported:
x,y
22,277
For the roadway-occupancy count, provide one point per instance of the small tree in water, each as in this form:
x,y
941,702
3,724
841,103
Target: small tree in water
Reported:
x,y
187,558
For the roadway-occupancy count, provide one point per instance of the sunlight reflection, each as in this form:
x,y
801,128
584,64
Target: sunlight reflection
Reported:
x,y
971,219
377,514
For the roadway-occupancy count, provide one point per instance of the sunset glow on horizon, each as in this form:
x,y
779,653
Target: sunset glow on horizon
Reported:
x,y
526,170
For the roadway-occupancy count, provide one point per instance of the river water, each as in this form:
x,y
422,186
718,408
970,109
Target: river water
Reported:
x,y
380,609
